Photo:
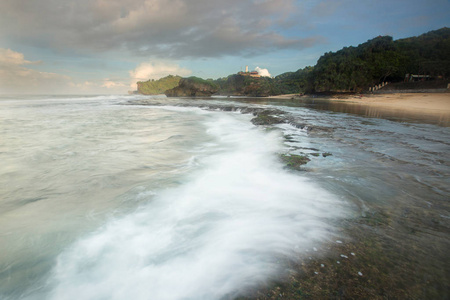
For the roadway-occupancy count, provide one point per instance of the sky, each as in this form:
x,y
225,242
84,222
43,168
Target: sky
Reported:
x,y
106,46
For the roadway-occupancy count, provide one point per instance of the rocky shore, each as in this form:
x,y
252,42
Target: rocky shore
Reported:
x,y
392,251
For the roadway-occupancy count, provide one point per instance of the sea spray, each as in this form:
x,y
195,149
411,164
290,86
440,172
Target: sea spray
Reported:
x,y
222,231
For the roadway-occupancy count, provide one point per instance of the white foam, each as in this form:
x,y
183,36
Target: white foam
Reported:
x,y
219,233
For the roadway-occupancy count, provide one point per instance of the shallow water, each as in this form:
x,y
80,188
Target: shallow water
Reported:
x,y
360,109
169,201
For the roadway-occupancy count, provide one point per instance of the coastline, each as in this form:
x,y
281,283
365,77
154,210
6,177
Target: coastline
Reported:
x,y
383,251
380,253
437,104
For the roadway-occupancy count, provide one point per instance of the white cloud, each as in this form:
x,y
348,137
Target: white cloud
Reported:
x,y
173,29
156,70
9,57
111,84
102,86
17,77
263,72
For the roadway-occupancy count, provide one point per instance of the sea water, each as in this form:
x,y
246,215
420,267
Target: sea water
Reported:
x,y
105,200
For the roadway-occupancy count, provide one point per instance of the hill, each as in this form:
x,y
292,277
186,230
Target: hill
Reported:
x,y
354,69
157,87
351,69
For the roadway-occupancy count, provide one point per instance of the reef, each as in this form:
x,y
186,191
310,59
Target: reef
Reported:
x,y
294,161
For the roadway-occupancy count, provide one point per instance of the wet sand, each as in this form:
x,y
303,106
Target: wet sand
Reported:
x,y
430,103
431,108
427,102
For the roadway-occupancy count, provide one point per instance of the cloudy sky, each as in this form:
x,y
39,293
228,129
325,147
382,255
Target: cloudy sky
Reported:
x,y
105,46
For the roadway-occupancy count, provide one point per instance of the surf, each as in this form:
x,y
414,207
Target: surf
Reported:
x,y
223,230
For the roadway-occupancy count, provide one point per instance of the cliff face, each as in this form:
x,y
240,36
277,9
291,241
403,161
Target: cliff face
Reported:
x,y
193,87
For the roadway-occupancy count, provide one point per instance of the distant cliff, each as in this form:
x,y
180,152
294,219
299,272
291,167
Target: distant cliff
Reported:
x,y
193,87
157,87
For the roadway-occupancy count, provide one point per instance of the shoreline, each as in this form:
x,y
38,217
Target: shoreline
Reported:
x,y
424,103
380,252
438,103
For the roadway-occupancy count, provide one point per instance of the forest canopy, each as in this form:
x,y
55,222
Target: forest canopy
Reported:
x,y
382,59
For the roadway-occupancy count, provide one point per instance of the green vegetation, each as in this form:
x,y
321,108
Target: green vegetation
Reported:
x,y
233,84
200,81
351,69
157,87
286,83
355,69
293,82
193,87
237,84
260,87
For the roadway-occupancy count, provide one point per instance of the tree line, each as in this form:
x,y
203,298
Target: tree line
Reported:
x,y
382,59
351,69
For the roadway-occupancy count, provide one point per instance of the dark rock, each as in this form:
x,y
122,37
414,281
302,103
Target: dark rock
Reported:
x,y
294,161
266,120
289,138
267,116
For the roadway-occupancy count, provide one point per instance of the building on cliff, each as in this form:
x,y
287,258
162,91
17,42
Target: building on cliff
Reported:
x,y
247,73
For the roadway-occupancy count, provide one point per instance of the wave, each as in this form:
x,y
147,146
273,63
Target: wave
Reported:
x,y
222,231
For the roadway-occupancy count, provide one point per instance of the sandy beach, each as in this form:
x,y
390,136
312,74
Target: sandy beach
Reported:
x,y
429,103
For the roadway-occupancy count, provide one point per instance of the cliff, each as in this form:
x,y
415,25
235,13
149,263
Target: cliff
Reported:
x,y
193,87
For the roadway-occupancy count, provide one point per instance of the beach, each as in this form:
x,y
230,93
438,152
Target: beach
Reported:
x,y
429,103
424,102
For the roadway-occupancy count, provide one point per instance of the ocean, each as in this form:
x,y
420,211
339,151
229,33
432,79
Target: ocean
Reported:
x,y
140,197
